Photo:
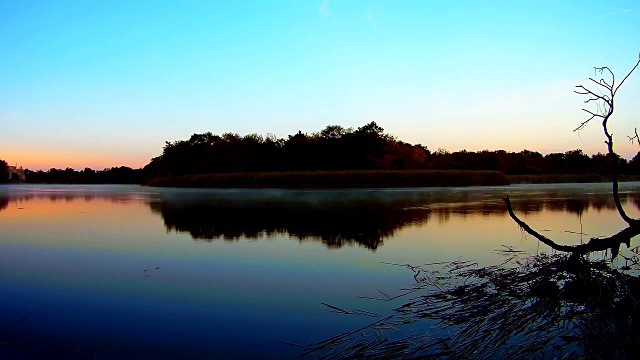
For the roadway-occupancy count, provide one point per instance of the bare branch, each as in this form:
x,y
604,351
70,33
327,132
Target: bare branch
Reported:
x,y
595,114
602,83
604,110
545,240
586,91
583,124
612,242
603,98
635,136
628,74
602,69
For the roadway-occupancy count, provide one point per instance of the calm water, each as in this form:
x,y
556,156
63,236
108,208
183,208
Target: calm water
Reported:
x,y
129,272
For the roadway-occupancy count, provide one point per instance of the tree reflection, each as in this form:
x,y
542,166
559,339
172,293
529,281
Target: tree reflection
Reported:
x,y
341,218
358,224
4,202
335,218
72,195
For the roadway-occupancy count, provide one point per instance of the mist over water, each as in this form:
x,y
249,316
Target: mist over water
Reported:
x,y
363,217
129,271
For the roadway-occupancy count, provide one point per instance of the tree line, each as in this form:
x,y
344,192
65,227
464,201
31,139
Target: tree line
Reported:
x,y
4,171
365,148
114,175
333,148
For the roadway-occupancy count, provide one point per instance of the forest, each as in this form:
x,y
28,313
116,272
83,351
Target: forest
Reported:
x,y
4,172
366,148
334,148
114,175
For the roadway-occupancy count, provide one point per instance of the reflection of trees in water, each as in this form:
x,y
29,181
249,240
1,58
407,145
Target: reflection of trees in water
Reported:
x,y
363,225
68,197
4,202
342,218
55,196
335,218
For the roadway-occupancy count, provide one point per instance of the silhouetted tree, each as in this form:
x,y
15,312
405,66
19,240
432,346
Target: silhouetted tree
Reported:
x,y
576,162
4,172
602,95
634,164
114,175
547,306
333,132
338,148
298,151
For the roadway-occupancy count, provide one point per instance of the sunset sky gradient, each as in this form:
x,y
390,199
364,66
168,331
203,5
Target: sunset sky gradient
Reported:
x,y
105,83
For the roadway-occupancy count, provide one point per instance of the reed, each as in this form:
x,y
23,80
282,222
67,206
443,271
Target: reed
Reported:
x,y
545,306
336,179
566,178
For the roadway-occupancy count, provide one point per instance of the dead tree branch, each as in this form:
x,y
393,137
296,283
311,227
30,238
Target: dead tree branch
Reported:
x,y
605,108
635,137
612,242
602,95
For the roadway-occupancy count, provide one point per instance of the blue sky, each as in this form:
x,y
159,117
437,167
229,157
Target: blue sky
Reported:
x,y
106,83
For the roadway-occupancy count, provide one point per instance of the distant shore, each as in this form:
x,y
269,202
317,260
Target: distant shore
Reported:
x,y
371,179
566,178
336,179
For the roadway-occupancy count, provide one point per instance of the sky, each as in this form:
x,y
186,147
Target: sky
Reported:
x,y
105,83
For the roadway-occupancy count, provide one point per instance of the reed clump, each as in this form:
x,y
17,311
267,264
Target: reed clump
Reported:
x,y
566,178
336,179
546,306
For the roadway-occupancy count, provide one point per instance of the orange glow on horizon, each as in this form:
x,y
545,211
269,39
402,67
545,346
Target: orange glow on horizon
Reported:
x,y
45,160
51,214
42,158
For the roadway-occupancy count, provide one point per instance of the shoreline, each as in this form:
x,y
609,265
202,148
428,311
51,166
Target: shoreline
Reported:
x,y
372,179
336,179
359,179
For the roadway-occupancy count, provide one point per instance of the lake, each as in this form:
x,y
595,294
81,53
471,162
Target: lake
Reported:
x,y
130,272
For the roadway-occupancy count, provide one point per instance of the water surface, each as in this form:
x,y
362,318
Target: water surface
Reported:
x,y
125,272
